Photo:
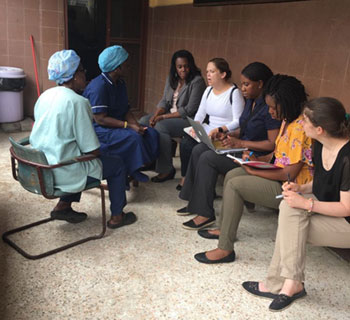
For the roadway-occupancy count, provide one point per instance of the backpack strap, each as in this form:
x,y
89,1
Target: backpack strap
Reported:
x,y
211,88
231,93
232,90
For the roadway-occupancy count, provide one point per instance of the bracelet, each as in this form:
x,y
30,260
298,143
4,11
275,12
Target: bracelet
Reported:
x,y
125,124
311,204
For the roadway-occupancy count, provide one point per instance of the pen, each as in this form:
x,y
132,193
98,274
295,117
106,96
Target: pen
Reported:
x,y
280,196
288,177
250,154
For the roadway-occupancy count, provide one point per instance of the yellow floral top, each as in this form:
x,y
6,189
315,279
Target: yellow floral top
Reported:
x,y
294,146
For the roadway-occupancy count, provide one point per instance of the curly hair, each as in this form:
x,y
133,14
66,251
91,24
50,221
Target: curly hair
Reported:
x,y
287,92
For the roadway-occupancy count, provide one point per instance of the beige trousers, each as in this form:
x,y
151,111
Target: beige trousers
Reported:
x,y
240,186
297,227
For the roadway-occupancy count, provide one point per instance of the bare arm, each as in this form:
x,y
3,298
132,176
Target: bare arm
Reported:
x,y
264,145
334,209
278,174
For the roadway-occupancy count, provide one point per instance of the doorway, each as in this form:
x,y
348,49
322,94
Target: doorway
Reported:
x,y
96,24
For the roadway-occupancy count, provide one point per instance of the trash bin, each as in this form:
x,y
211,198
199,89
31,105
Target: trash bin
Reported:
x,y
12,82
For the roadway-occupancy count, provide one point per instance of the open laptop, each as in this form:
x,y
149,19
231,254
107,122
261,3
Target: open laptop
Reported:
x,y
213,145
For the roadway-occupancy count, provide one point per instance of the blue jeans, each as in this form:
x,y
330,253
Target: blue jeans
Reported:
x,y
115,173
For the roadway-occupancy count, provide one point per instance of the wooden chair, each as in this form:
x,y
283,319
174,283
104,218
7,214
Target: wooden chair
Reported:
x,y
31,169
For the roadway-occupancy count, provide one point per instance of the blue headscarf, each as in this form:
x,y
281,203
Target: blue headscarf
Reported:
x,y
62,66
111,58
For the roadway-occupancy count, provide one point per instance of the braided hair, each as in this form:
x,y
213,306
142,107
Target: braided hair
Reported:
x,y
287,92
329,114
194,70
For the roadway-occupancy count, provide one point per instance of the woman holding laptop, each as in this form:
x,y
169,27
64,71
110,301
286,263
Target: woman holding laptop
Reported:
x,y
257,131
222,101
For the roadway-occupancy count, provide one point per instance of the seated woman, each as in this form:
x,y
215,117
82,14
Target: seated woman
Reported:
x,y
257,131
317,213
222,101
285,96
63,130
182,94
116,127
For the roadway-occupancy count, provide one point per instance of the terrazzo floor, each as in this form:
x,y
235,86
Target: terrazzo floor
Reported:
x,y
147,270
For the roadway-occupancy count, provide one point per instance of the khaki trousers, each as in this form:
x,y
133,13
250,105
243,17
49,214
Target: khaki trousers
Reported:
x,y
297,227
240,186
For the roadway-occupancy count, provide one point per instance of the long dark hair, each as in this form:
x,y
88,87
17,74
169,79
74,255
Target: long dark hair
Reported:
x,y
194,70
257,71
329,114
223,66
289,93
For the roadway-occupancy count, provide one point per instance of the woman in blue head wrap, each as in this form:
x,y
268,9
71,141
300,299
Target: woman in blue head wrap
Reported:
x,y
63,130
117,129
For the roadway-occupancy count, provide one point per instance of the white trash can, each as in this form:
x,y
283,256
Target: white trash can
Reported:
x,y
12,82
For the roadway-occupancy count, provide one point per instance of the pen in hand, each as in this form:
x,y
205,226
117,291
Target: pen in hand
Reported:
x,y
250,154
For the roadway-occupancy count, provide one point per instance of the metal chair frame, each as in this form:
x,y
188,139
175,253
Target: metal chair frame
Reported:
x,y
15,160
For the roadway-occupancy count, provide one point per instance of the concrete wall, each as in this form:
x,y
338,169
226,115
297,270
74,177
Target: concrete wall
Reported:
x,y
310,40
44,19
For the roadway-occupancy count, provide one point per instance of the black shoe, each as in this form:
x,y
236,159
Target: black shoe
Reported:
x,y
68,215
127,218
201,257
183,212
179,187
282,301
205,234
250,206
190,225
170,176
149,167
253,288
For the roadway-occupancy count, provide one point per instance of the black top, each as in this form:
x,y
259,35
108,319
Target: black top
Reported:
x,y
328,184
255,124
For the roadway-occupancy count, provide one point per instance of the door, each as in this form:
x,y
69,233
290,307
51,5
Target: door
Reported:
x,y
126,25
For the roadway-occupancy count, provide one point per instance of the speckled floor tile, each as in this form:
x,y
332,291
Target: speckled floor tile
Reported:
x,y
147,271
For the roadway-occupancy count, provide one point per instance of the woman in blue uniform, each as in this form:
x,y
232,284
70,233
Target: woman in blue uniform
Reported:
x,y
116,127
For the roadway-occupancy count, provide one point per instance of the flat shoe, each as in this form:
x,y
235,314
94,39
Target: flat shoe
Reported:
x,y
68,215
282,301
207,235
179,187
169,176
190,225
253,288
127,218
201,257
183,212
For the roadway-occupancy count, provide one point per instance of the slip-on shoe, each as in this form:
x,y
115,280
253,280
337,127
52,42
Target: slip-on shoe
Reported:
x,y
127,218
190,225
179,187
68,215
169,176
201,257
282,301
253,288
207,235
183,212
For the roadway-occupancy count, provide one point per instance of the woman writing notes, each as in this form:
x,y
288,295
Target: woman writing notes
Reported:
x,y
285,97
318,212
257,131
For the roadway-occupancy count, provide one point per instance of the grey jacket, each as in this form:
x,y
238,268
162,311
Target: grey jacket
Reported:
x,y
188,99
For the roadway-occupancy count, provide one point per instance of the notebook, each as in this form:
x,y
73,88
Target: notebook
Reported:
x,y
254,164
213,145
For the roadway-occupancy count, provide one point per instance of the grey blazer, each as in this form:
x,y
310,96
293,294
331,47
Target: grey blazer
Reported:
x,y
188,99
